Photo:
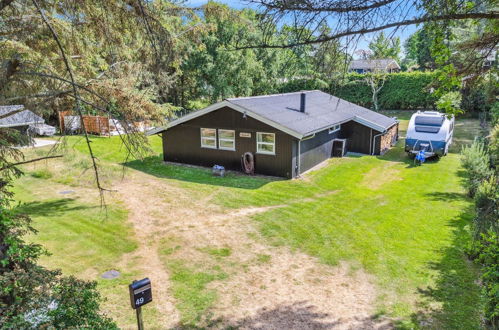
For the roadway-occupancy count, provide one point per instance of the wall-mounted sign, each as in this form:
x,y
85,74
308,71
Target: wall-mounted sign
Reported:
x,y
244,135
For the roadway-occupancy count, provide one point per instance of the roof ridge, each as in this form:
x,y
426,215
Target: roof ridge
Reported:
x,y
277,94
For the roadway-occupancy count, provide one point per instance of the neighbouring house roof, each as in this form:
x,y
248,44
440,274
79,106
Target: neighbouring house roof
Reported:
x,y
21,118
375,64
282,111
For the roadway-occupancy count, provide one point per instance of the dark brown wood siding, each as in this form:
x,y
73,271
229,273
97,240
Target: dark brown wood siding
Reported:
x,y
316,150
358,137
182,143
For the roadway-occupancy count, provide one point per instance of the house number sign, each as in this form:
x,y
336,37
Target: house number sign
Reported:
x,y
140,293
244,135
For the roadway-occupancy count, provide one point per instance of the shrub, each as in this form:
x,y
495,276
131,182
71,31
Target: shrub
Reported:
x,y
486,253
494,147
32,296
487,207
494,113
476,161
450,103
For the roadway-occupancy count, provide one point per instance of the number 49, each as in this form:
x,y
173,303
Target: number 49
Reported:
x,y
139,301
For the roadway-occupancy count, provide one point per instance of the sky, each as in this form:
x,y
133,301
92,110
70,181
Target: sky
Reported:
x,y
362,43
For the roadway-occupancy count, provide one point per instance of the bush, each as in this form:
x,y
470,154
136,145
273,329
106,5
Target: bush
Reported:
x,y
450,103
32,296
78,306
476,161
494,113
494,147
401,91
487,207
486,253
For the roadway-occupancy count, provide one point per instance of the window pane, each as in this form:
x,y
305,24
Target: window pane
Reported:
x,y
225,134
266,148
430,121
266,137
226,144
208,142
208,132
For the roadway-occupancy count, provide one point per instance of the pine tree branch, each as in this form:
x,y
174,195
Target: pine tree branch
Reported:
x,y
29,161
304,6
76,95
489,15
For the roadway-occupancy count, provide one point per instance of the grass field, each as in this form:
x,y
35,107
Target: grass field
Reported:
x,y
405,226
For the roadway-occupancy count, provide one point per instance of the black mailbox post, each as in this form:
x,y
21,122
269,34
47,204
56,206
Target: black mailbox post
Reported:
x,y
140,294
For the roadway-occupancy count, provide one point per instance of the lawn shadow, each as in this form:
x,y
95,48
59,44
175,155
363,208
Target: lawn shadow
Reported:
x,y
445,196
454,301
293,316
50,207
154,165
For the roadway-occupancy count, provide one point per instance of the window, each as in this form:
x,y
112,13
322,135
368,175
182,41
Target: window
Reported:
x,y
209,138
226,139
265,143
333,129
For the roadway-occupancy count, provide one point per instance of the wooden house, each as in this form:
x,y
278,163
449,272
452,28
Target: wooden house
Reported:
x,y
287,133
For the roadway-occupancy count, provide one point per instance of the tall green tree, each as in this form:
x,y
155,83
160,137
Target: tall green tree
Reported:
x,y
417,49
385,47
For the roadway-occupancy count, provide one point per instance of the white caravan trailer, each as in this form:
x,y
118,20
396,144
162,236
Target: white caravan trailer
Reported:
x,y
431,132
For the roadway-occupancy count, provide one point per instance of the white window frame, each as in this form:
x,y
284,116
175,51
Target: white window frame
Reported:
x,y
265,152
334,129
208,138
233,140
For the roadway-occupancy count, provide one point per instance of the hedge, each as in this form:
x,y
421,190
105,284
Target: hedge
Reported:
x,y
401,91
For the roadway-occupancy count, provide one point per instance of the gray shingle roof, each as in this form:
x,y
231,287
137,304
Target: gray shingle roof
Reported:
x,y
321,111
282,111
24,117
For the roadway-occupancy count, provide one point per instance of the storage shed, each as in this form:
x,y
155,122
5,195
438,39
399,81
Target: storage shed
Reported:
x,y
287,133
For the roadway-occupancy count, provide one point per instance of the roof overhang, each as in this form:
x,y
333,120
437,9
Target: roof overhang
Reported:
x,y
370,124
22,123
220,105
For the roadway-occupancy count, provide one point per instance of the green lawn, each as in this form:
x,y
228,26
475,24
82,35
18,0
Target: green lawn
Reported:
x,y
406,225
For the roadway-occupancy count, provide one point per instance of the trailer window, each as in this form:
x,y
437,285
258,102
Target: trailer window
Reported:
x,y
226,139
265,143
209,138
427,129
429,121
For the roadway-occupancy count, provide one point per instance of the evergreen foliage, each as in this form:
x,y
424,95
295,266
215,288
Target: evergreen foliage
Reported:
x,y
476,161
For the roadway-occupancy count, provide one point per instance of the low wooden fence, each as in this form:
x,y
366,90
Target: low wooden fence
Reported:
x,y
93,124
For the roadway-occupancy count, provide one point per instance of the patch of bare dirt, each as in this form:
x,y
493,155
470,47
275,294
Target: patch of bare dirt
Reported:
x,y
282,290
140,199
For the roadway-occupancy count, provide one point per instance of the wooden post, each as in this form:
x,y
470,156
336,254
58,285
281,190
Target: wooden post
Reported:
x,y
140,325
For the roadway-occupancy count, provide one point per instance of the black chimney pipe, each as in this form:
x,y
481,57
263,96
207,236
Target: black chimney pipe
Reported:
x,y
303,97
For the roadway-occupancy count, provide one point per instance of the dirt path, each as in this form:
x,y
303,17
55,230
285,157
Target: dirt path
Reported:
x,y
137,200
267,287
